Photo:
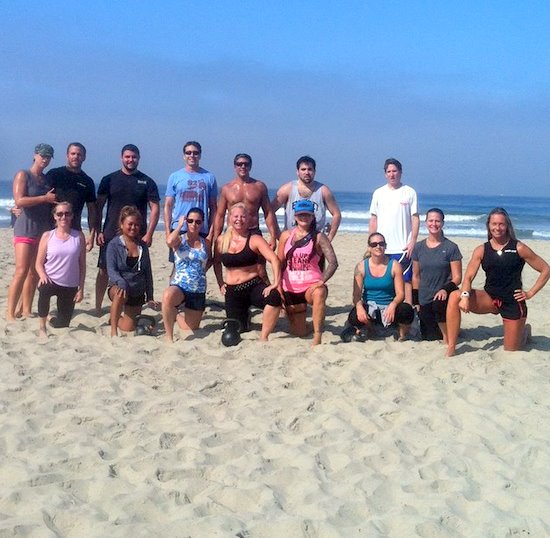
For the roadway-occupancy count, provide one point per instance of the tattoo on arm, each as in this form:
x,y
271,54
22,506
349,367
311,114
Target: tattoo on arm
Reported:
x,y
330,257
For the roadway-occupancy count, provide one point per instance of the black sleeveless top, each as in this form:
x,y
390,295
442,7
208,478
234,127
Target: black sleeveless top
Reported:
x,y
503,270
245,258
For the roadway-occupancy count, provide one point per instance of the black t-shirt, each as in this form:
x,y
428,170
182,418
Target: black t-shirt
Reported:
x,y
121,189
76,188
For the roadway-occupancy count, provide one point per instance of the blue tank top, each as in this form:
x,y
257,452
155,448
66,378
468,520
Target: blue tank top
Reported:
x,y
190,265
378,289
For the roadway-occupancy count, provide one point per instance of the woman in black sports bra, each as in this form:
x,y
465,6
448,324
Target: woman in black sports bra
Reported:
x,y
502,258
242,286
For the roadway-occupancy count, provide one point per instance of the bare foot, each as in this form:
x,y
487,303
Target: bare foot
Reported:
x,y
451,349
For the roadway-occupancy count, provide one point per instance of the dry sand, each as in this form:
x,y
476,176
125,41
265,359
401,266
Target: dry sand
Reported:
x,y
136,437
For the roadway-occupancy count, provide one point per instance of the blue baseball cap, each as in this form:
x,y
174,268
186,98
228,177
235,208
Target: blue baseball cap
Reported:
x,y
304,206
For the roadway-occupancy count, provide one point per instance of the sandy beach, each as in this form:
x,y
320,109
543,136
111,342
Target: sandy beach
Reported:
x,y
137,437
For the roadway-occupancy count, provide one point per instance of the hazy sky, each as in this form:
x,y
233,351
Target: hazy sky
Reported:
x,y
458,91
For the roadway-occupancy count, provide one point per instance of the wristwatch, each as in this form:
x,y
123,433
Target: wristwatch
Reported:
x,y
465,294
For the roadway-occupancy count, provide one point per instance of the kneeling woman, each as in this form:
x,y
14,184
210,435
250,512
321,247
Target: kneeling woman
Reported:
x,y
437,271
188,287
239,252
129,270
303,281
502,258
61,268
378,294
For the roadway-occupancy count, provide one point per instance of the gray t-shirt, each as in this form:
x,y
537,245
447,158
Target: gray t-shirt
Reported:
x,y
435,267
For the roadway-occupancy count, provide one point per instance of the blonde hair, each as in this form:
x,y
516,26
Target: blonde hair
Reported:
x,y
228,234
57,204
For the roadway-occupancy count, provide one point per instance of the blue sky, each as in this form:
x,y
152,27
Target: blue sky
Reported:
x,y
459,92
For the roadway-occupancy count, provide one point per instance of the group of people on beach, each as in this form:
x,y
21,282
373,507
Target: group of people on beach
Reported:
x,y
396,277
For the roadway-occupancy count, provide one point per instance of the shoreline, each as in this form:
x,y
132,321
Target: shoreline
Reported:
x,y
135,436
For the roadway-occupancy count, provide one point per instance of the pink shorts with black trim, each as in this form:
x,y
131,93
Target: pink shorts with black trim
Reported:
x,y
26,240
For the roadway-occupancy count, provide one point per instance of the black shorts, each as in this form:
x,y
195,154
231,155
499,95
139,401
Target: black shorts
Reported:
x,y
131,300
102,257
511,310
240,297
191,300
404,314
292,298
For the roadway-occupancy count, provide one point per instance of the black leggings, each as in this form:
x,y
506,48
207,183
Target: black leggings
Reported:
x,y
404,314
240,297
65,302
431,314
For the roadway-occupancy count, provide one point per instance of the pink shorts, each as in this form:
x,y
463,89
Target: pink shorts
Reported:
x,y
26,240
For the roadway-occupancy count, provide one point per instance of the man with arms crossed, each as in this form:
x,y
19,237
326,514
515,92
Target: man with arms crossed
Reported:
x,y
394,214
73,185
305,187
192,186
127,186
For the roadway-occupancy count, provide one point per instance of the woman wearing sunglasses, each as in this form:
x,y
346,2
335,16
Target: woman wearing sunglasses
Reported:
x,y
188,286
61,269
300,252
130,275
378,294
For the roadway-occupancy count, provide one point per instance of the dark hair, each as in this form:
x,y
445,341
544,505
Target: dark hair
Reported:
x,y
78,145
129,211
196,210
307,160
192,143
130,147
373,234
243,155
509,226
436,210
395,162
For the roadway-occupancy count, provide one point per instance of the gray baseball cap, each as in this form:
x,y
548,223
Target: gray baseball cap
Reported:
x,y
44,150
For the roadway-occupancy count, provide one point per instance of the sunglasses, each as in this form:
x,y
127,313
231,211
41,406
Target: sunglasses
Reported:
x,y
195,153
194,221
374,244
246,164
63,214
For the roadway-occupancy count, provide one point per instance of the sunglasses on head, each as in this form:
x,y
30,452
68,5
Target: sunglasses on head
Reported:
x,y
194,221
374,244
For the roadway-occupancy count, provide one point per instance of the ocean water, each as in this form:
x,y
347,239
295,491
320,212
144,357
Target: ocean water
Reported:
x,y
465,215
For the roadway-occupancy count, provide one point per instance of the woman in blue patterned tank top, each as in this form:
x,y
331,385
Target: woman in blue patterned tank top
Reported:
x,y
187,290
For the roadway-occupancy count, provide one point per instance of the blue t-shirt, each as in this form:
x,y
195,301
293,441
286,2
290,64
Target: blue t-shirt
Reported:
x,y
191,189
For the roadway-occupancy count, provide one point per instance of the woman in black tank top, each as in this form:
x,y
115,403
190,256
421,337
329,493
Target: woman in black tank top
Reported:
x,y
502,258
242,286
